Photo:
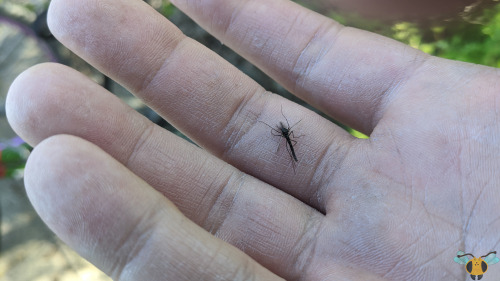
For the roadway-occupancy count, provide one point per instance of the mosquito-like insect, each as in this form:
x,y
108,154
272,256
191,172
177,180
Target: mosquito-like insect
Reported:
x,y
286,132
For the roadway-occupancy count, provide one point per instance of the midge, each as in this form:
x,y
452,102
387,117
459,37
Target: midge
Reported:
x,y
286,132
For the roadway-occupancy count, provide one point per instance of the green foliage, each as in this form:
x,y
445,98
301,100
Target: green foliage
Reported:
x,y
356,134
13,160
164,7
475,41
458,40
167,9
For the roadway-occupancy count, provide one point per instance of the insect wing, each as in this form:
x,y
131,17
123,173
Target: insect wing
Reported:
x,y
461,260
491,259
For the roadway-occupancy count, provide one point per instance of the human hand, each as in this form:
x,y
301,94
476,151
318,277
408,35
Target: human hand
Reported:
x,y
142,204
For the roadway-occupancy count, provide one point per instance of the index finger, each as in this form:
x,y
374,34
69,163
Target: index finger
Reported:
x,y
347,73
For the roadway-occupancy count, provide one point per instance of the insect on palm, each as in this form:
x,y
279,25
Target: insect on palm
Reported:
x,y
285,131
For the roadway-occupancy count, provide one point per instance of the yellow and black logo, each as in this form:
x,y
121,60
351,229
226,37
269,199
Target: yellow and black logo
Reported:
x,y
476,267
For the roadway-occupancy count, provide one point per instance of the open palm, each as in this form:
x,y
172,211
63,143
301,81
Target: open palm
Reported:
x,y
142,204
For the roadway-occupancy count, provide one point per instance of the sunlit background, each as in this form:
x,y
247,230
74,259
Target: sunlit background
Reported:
x,y
28,249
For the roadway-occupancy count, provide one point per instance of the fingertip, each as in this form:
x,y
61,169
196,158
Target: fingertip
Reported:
x,y
48,171
58,15
69,182
27,99
52,13
21,99
52,162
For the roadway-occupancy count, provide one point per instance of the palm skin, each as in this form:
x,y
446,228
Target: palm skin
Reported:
x,y
142,204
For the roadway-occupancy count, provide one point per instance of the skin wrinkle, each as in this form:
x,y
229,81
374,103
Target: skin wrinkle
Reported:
x,y
209,180
260,44
355,246
483,185
232,130
159,34
236,11
453,274
262,225
147,132
451,247
342,78
388,273
276,50
302,73
260,246
471,213
425,191
146,83
326,172
252,40
411,195
404,259
421,237
217,208
244,272
249,234
200,180
308,244
129,255
214,83
232,196
430,259
419,63
399,261
397,86
378,105
148,224
150,86
212,261
466,225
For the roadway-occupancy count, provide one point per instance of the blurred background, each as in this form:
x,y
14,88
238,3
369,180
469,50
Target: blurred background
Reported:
x,y
30,251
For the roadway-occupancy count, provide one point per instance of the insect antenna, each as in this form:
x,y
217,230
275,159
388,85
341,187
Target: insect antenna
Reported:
x,y
287,123
459,256
492,252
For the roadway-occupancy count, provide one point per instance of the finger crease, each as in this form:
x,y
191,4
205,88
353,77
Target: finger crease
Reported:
x,y
141,141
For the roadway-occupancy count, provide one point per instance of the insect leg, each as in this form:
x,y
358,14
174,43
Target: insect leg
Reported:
x,y
274,132
291,133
